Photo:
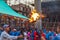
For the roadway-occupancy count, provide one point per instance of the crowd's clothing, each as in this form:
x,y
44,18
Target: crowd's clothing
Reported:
x,y
44,30
48,35
52,35
29,36
32,35
25,36
13,33
1,31
43,35
16,33
35,35
6,36
57,37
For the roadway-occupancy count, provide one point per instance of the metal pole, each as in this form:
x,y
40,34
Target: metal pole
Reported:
x,y
38,9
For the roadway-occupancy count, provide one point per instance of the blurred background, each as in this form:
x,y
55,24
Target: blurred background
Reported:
x,y
50,8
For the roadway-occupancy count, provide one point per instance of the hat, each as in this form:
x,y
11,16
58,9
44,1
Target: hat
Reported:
x,y
5,26
14,29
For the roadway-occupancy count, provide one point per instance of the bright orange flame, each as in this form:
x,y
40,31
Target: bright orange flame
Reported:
x,y
34,17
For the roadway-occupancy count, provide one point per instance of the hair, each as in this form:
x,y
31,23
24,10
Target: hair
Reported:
x,y
58,27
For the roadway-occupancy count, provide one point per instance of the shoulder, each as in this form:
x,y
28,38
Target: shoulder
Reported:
x,y
55,38
3,33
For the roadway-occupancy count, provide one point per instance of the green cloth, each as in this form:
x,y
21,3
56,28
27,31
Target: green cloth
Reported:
x,y
5,9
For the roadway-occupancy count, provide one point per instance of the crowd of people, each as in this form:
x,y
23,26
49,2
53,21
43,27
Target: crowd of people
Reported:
x,y
47,33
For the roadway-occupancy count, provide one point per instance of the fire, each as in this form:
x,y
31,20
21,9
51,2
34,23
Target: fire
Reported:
x,y
34,16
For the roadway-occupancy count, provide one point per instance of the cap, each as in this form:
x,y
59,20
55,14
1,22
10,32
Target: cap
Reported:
x,y
5,26
14,29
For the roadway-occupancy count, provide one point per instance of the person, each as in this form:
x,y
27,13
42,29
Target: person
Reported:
x,y
35,35
5,34
44,29
25,34
13,32
29,36
48,33
42,34
32,34
52,34
57,37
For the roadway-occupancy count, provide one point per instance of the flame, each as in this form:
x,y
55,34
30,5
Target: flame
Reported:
x,y
34,16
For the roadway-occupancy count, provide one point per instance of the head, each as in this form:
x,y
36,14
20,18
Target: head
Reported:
x,y
58,29
31,31
14,30
1,28
47,30
52,29
41,31
6,28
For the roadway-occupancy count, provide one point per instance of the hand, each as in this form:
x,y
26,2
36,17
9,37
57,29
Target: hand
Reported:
x,y
21,36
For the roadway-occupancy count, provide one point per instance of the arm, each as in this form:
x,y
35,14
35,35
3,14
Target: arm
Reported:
x,y
10,37
42,38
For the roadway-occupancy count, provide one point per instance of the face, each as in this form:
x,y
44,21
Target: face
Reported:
x,y
58,30
8,28
31,31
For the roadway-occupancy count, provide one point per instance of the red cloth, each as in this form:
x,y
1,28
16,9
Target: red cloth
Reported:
x,y
43,35
35,35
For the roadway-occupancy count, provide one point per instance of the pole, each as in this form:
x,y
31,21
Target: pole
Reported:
x,y
38,9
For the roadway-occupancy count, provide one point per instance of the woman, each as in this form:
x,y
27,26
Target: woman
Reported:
x,y
29,35
35,35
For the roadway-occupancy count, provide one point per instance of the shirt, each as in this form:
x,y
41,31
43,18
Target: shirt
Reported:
x,y
43,35
25,36
48,35
6,36
57,37
18,33
44,30
52,35
1,31
12,33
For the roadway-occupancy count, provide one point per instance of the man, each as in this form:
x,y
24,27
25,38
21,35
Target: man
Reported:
x,y
58,35
6,36
48,33
14,32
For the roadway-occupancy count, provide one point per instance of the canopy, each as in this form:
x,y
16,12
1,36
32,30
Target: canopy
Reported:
x,y
5,9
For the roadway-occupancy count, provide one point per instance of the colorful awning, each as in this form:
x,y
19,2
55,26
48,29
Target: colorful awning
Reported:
x,y
5,9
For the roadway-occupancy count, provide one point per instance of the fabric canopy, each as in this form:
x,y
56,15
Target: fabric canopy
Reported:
x,y
5,9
